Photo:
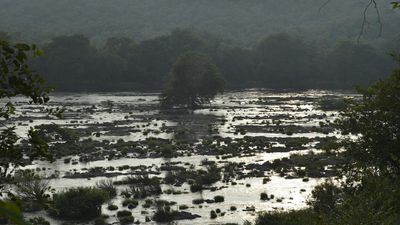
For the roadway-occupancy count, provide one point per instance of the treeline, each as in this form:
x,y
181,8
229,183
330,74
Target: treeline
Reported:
x,y
72,63
243,21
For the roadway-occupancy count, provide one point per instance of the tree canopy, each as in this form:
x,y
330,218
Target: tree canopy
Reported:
x,y
193,80
17,79
74,63
374,126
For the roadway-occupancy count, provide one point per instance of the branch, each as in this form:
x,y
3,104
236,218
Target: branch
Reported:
x,y
371,2
323,5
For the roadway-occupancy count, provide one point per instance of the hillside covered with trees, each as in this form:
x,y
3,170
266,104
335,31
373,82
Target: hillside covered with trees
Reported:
x,y
245,22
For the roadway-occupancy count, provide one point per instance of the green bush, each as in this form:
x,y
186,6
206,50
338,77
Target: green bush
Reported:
x,y
219,198
107,186
32,190
124,213
301,217
112,207
183,207
127,202
213,214
100,221
325,197
164,213
79,203
126,220
264,196
198,201
39,221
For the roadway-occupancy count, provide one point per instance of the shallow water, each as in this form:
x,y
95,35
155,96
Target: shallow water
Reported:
x,y
254,109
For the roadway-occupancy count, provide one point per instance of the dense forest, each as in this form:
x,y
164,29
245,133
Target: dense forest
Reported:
x,y
73,63
243,21
273,44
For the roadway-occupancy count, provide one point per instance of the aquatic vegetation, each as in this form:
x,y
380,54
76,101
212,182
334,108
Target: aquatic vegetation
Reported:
x,y
130,203
332,104
39,221
264,196
79,203
213,214
124,213
141,186
202,159
100,221
219,198
107,186
126,220
32,190
198,201
164,214
112,207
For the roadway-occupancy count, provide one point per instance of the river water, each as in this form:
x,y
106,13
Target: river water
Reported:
x,y
116,115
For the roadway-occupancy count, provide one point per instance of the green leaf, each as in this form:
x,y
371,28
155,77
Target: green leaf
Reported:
x,y
11,212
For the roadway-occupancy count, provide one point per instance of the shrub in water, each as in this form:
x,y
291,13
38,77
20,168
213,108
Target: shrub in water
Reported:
x,y
127,202
264,196
107,186
39,221
100,221
196,187
112,207
219,198
31,189
124,213
213,214
183,207
198,201
126,220
79,203
164,213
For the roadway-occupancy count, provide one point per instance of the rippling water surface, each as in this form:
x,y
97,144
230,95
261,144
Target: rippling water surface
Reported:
x,y
135,117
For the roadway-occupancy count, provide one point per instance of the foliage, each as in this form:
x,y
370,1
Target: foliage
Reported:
x,y
107,186
79,203
219,198
164,213
31,188
126,220
374,126
301,217
277,60
16,76
373,201
325,197
11,212
39,221
18,79
73,63
193,80
56,133
242,21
